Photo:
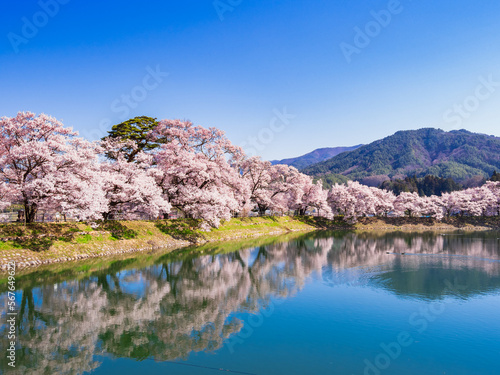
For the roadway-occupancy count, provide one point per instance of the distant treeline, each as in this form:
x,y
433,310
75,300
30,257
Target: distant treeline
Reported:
x,y
428,185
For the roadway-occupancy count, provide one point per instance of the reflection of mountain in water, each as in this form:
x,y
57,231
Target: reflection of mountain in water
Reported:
x,y
168,310
434,282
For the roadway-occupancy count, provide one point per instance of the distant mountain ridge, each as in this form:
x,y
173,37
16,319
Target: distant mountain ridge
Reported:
x,y
314,157
457,154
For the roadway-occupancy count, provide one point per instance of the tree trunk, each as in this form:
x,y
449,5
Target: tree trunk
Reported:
x,y
30,212
262,210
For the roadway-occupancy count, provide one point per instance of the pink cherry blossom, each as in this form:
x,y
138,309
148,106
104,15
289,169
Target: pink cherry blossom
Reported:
x,y
43,164
196,170
130,187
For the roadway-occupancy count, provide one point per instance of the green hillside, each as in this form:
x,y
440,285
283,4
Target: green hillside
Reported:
x,y
458,154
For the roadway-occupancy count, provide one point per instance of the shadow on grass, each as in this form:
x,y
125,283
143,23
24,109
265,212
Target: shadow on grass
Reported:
x,y
492,222
35,244
37,236
324,223
33,229
181,229
398,221
118,230
273,218
41,236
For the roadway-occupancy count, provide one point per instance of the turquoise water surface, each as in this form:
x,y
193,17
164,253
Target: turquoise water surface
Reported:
x,y
321,303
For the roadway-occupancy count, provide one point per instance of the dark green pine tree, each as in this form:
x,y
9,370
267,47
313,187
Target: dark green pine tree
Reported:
x,y
495,176
136,129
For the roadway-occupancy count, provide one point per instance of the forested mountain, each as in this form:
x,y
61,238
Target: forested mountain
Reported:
x,y
314,157
459,154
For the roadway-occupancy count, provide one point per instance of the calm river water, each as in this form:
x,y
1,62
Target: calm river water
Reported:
x,y
321,303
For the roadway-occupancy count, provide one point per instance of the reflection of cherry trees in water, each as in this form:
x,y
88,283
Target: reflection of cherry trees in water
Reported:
x,y
429,261
56,329
371,250
170,310
163,312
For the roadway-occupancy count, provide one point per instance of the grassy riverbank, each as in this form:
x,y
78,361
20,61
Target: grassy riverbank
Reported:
x,y
39,244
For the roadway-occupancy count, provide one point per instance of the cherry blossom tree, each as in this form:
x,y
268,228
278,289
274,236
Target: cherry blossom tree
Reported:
x,y
471,202
341,201
494,188
448,203
42,164
384,201
355,200
197,171
480,199
130,187
285,189
408,204
431,206
281,188
364,199
257,174
311,195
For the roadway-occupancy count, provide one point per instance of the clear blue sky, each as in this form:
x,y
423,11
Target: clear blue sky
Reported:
x,y
234,69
